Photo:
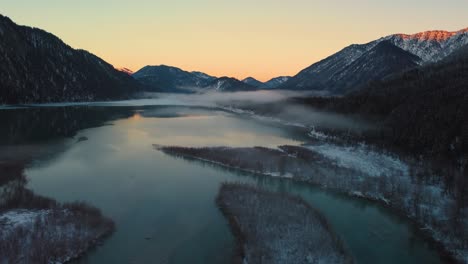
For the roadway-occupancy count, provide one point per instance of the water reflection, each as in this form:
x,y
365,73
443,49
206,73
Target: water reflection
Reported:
x,y
32,125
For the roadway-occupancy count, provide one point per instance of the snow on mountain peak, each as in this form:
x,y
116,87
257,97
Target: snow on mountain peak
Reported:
x,y
431,46
432,35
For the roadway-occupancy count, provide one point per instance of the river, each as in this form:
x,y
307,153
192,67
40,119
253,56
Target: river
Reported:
x,y
163,206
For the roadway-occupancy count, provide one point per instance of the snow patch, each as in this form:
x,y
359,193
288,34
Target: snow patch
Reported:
x,y
317,134
361,158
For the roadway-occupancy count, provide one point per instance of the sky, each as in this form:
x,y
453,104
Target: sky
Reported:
x,y
259,38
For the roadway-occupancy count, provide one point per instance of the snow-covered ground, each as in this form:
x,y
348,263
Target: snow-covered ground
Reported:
x,y
363,159
318,135
20,218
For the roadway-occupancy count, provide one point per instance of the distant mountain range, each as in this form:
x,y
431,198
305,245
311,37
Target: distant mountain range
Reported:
x,y
171,79
271,84
164,78
228,84
343,72
276,82
37,67
356,65
252,82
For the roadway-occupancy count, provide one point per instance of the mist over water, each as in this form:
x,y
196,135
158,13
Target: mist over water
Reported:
x,y
264,103
208,99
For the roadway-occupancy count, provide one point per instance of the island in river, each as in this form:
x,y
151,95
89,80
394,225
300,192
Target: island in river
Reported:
x,y
278,228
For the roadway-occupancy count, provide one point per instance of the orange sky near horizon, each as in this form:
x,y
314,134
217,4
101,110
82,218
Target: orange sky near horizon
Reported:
x,y
264,39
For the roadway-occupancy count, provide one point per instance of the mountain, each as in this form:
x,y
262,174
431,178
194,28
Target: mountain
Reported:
x,y
202,75
253,82
227,84
171,79
271,84
275,82
379,62
336,74
125,70
424,109
38,67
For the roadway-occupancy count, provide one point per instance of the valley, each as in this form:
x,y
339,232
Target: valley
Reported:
x,y
361,157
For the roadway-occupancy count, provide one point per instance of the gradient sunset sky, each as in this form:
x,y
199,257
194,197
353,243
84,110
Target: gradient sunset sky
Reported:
x,y
259,38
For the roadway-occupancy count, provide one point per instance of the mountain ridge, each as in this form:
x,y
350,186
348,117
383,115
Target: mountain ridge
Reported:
x,y
423,108
438,35
429,46
253,82
275,82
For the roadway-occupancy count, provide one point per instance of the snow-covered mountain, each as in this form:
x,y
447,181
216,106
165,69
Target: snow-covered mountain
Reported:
x,y
36,66
170,79
358,64
164,78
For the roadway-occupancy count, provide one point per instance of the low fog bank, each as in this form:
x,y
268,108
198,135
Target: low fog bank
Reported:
x,y
277,105
264,104
213,98
209,99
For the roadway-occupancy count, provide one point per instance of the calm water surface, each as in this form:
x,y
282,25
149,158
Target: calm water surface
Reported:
x,y
163,206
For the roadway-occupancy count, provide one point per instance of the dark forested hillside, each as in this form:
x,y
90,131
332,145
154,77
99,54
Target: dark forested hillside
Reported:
x,y
379,62
37,67
425,109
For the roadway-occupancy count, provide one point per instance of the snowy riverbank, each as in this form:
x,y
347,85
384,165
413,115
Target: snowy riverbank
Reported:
x,y
55,235
357,171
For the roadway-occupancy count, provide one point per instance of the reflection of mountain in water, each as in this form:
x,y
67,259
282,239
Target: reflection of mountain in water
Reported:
x,y
28,126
